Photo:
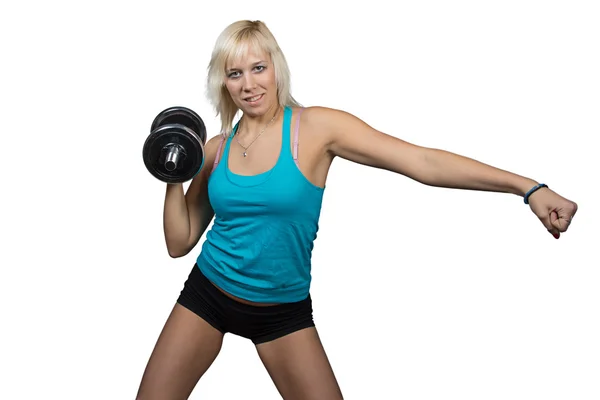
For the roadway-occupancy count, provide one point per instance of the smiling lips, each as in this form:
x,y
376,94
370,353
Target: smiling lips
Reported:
x,y
254,99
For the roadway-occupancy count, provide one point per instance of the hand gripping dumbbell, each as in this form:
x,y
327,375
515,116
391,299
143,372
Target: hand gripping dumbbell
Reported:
x,y
174,150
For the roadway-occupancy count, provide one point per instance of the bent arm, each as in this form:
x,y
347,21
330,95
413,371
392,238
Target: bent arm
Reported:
x,y
186,216
352,139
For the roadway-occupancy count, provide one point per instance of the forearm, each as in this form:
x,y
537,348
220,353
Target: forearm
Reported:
x,y
445,169
176,220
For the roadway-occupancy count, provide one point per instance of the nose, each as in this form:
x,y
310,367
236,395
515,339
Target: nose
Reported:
x,y
249,83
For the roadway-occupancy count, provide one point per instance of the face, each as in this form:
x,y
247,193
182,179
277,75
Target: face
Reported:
x,y
251,82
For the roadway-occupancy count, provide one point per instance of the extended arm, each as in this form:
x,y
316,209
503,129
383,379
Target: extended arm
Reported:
x,y
354,140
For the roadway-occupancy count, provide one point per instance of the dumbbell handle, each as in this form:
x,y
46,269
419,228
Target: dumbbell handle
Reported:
x,y
174,154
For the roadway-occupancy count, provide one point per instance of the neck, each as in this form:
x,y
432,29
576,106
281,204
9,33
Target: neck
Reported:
x,y
255,123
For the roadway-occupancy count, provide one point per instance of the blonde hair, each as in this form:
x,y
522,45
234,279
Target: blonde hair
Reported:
x,y
234,42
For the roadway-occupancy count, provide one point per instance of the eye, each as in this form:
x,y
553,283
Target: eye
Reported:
x,y
260,68
232,74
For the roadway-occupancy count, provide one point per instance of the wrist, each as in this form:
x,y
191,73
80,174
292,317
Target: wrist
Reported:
x,y
523,186
531,191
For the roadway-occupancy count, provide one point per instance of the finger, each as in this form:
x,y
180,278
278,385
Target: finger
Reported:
x,y
561,224
554,232
549,224
561,221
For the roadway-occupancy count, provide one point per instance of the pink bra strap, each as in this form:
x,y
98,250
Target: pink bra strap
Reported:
x,y
218,155
296,136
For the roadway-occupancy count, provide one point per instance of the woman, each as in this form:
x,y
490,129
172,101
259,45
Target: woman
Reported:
x,y
263,181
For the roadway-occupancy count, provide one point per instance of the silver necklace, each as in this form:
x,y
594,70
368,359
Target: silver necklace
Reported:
x,y
245,153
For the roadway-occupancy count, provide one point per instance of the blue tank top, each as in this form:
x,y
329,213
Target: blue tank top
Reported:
x,y
260,245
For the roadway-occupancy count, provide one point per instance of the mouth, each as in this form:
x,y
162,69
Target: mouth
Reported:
x,y
254,99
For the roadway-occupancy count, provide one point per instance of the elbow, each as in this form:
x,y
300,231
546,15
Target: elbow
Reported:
x,y
425,167
176,254
175,251
419,165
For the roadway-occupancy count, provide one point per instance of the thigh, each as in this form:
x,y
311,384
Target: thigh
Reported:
x,y
299,366
184,351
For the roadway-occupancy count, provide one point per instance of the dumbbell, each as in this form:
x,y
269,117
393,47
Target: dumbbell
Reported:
x,y
174,150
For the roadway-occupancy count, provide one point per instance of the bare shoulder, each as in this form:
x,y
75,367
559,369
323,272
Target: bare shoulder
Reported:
x,y
347,136
321,117
211,146
210,153
331,119
213,143
336,126
322,122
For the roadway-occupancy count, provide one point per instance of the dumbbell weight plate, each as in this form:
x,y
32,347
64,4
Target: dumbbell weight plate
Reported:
x,y
162,145
183,116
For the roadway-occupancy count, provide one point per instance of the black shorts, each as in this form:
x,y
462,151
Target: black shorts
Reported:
x,y
257,323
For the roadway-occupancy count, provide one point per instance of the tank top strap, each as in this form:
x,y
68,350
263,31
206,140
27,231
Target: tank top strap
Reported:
x,y
296,141
228,141
285,133
218,155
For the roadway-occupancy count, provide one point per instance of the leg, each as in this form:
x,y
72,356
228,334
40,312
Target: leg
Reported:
x,y
299,367
186,348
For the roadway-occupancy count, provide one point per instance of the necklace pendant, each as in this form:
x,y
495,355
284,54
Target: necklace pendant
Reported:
x,y
245,154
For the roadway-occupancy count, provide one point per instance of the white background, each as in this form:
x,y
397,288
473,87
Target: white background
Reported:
x,y
419,292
